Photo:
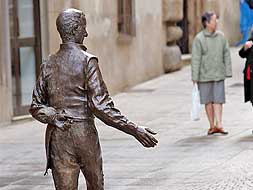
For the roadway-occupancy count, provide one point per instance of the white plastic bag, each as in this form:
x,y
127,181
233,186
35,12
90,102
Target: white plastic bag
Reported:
x,y
195,110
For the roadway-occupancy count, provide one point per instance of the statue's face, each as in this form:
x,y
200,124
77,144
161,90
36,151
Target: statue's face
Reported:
x,y
81,33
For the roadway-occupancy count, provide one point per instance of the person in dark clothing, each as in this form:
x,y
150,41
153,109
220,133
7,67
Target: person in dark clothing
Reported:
x,y
250,3
69,93
247,52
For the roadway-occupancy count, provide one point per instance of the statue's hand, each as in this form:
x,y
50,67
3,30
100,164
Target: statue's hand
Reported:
x,y
61,121
145,136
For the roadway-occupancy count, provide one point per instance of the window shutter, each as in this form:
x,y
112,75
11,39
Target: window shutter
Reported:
x,y
125,17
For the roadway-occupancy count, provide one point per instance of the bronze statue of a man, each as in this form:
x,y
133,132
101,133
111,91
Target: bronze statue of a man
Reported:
x,y
69,92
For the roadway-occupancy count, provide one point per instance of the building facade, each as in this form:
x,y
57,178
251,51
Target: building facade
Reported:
x,y
135,40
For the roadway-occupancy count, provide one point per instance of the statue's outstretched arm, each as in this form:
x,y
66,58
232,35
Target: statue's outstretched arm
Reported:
x,y
102,106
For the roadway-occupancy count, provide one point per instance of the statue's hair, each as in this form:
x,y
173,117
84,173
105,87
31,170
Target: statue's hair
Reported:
x,y
68,22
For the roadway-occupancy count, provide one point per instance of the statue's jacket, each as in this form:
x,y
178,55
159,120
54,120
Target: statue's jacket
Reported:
x,y
70,82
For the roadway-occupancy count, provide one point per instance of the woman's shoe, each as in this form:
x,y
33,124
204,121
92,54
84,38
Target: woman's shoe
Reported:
x,y
212,130
221,131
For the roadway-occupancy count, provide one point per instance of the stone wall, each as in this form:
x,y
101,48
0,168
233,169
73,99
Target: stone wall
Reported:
x,y
5,73
172,13
124,63
195,10
229,21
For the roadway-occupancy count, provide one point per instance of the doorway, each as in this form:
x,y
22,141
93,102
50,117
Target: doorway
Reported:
x,y
183,43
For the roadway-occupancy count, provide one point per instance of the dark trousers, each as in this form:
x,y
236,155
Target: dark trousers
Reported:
x,y
74,150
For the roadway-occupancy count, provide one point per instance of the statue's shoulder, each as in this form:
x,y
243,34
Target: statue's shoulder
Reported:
x,y
90,56
48,58
44,62
47,62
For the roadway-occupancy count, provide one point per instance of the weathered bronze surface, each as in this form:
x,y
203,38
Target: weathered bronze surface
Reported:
x,y
69,92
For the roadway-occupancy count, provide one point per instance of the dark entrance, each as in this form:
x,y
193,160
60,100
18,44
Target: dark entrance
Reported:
x,y
183,43
25,51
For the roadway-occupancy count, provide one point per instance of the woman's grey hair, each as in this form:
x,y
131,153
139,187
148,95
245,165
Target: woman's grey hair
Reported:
x,y
206,17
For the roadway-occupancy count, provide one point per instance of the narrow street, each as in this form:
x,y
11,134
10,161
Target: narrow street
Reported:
x,y
185,158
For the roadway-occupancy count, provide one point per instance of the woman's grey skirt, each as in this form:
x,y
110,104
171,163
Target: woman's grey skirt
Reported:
x,y
212,92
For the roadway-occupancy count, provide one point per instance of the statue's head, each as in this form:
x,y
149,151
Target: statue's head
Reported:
x,y
71,25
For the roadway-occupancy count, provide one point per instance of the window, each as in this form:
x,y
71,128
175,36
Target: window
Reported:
x,y
126,17
25,51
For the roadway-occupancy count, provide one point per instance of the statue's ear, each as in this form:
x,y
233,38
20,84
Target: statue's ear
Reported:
x,y
75,28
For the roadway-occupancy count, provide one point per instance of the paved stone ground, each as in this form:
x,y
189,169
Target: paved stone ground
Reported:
x,y
185,159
